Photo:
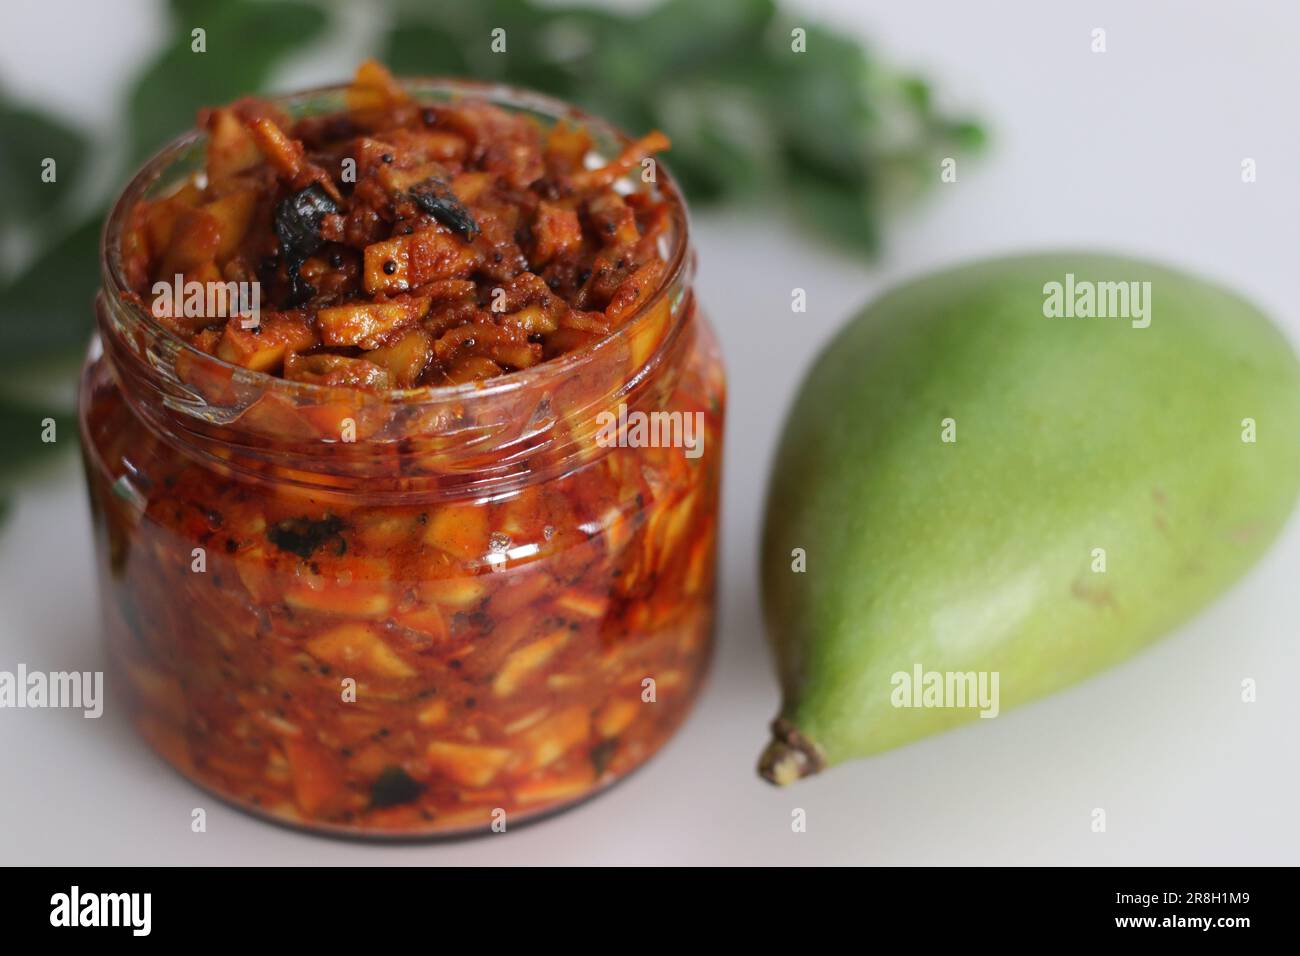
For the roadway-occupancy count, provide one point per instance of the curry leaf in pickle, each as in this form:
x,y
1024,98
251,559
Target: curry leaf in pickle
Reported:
x,y
297,226
601,754
305,536
394,787
437,199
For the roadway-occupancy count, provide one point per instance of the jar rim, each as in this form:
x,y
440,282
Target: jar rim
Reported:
x,y
679,261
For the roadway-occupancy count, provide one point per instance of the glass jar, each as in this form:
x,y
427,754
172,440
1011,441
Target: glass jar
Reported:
x,y
424,611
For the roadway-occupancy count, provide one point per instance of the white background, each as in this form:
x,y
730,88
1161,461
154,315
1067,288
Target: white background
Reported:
x,y
1137,149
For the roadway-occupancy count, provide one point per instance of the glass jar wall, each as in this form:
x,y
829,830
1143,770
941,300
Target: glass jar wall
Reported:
x,y
407,612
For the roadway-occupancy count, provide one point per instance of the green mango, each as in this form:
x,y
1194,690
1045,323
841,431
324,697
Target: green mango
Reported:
x,y
971,483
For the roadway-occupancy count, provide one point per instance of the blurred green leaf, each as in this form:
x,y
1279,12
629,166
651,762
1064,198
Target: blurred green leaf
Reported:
x,y
244,40
48,310
419,49
842,212
723,145
819,103
21,428
547,49
917,92
29,139
688,36
967,135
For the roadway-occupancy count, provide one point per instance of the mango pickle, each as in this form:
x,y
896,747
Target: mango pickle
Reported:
x,y
367,567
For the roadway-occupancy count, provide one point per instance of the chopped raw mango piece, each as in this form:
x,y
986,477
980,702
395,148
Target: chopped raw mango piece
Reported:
x,y
526,660
357,647
467,764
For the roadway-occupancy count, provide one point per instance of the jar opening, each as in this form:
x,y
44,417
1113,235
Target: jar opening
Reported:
x,y
166,169
487,435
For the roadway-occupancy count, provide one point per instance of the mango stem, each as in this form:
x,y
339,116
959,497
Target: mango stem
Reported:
x,y
790,756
